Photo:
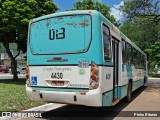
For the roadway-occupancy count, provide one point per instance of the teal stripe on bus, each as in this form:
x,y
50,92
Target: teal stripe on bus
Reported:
x,y
107,98
137,84
61,89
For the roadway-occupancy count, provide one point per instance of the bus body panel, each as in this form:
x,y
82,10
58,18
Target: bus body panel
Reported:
x,y
91,98
45,59
107,79
48,76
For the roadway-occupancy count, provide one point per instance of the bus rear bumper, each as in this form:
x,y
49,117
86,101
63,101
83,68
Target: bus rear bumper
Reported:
x,y
91,98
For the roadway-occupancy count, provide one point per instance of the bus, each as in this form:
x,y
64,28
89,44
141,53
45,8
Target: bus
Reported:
x,y
80,57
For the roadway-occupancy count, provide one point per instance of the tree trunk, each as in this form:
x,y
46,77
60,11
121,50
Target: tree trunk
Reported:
x,y
13,61
14,69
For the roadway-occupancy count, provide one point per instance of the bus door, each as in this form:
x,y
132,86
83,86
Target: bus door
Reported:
x,y
115,48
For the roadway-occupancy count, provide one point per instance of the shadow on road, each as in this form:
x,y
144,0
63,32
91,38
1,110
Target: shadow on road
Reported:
x,y
74,112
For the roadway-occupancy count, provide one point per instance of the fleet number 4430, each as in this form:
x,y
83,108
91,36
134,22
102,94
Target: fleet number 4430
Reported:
x,y
57,75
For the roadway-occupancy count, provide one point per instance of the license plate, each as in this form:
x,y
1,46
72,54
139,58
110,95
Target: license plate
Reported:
x,y
57,83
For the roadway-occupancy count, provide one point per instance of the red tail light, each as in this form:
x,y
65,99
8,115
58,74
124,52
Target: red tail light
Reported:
x,y
94,81
93,77
27,77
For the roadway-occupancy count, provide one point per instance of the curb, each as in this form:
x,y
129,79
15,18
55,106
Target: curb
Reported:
x,y
46,107
153,78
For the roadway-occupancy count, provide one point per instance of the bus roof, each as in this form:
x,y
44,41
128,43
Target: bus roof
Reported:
x,y
75,12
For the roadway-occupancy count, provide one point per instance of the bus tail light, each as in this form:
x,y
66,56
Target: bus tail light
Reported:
x,y
94,70
27,77
94,79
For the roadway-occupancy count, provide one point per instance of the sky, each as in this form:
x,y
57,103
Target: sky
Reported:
x,y
114,4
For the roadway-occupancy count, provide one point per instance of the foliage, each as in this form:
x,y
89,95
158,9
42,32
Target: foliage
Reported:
x,y
16,14
143,26
154,75
155,70
14,18
142,9
132,31
154,53
91,5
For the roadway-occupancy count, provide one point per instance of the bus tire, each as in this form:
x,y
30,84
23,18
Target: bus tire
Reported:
x,y
129,92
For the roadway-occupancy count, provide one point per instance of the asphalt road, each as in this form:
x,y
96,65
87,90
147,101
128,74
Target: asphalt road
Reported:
x,y
10,76
146,101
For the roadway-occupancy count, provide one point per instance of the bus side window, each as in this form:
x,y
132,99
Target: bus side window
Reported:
x,y
143,61
124,58
136,56
134,60
139,59
129,54
106,43
131,57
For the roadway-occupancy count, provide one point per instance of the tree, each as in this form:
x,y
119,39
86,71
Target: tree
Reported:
x,y
14,18
143,25
134,32
149,9
91,5
154,53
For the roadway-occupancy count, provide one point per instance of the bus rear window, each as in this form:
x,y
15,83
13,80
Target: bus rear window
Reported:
x,y
60,35
106,43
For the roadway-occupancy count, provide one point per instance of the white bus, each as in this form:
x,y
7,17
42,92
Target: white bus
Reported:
x,y
80,57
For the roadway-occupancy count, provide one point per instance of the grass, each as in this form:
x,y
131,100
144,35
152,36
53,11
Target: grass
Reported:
x,y
13,96
154,75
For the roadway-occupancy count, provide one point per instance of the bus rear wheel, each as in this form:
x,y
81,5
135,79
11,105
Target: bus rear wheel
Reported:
x,y
129,92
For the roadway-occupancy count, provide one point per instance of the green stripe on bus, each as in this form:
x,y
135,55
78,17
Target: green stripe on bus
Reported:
x,y
61,89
